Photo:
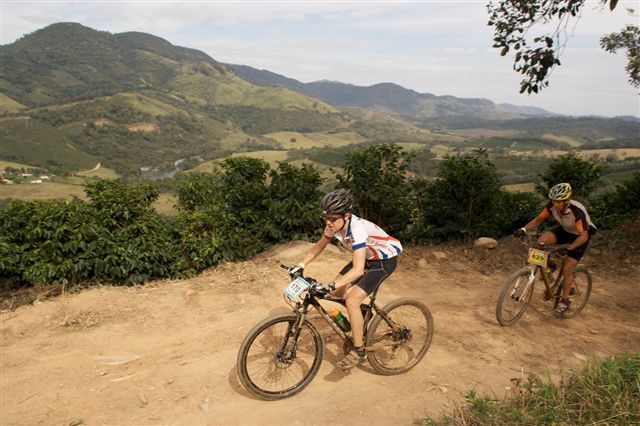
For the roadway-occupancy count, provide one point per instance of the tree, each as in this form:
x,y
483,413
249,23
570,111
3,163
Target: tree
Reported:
x,y
628,38
512,20
582,175
376,176
609,209
461,203
293,203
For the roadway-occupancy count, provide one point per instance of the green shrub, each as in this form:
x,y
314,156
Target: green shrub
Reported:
x,y
462,202
376,175
246,207
45,241
611,208
581,174
235,214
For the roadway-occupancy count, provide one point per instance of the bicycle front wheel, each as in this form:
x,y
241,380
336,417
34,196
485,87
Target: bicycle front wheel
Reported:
x,y
272,364
396,347
580,292
515,296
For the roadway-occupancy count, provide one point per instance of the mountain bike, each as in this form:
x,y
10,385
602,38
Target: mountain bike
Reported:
x,y
282,354
545,264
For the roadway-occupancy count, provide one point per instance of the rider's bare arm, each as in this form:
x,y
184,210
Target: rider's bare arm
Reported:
x,y
316,249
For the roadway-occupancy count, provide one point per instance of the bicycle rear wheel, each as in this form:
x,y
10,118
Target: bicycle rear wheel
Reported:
x,y
582,286
394,350
515,296
272,365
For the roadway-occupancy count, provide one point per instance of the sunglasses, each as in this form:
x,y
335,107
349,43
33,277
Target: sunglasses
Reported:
x,y
332,219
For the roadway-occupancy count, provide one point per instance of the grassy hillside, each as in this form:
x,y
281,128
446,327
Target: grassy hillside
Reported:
x,y
35,142
73,97
134,101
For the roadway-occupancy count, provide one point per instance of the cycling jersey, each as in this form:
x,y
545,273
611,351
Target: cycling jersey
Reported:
x,y
364,234
574,219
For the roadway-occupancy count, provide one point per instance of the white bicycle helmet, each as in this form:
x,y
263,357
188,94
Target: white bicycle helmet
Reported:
x,y
560,192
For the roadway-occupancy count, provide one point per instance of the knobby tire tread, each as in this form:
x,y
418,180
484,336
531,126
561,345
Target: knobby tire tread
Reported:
x,y
412,314
258,366
504,298
584,282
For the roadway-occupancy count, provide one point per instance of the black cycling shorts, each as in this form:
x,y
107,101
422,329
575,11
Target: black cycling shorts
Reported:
x,y
564,237
375,271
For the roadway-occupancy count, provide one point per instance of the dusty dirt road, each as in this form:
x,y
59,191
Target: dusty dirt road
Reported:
x,y
165,353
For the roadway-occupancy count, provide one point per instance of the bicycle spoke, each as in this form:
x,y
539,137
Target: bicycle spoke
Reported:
x,y
515,297
395,349
581,292
272,365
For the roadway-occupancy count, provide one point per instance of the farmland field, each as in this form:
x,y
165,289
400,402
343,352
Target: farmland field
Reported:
x,y
42,191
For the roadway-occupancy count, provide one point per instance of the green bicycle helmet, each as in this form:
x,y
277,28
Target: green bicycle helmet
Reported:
x,y
339,202
560,192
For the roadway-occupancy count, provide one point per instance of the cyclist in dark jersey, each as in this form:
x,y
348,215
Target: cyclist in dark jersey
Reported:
x,y
575,229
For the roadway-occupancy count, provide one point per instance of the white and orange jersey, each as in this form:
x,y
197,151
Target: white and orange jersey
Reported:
x,y
574,219
364,234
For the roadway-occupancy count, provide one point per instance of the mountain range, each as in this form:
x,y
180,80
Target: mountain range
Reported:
x,y
71,97
391,98
77,60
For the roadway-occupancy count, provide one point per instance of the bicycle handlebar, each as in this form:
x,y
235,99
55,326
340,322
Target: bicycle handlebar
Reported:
x,y
530,240
316,289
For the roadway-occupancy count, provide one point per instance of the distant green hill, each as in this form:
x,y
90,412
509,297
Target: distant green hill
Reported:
x,y
134,100
72,96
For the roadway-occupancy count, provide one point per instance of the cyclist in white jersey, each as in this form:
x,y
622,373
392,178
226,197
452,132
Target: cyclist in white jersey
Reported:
x,y
374,255
574,228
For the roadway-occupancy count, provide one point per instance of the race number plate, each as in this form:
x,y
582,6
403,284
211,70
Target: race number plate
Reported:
x,y
537,257
295,288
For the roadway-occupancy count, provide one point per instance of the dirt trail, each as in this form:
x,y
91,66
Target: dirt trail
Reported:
x,y
165,353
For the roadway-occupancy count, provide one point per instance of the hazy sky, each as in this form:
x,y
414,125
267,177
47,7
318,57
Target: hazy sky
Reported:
x,y
438,47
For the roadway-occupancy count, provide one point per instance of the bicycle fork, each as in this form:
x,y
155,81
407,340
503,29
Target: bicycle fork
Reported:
x,y
527,288
287,353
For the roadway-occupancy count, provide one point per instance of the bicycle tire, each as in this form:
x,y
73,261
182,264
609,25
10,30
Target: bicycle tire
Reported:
x,y
512,304
270,367
582,284
397,352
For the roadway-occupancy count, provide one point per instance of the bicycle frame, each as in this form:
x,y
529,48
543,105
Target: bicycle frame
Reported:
x,y
539,259
313,297
550,283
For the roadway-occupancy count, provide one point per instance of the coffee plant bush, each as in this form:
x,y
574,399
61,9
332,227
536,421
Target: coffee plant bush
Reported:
x,y
245,207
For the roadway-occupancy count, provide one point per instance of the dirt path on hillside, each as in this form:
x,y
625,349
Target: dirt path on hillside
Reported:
x,y
95,168
165,353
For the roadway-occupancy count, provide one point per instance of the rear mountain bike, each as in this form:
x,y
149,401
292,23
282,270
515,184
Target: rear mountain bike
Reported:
x,y
282,354
545,265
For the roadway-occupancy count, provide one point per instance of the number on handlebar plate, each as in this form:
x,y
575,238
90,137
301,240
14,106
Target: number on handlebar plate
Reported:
x,y
295,288
537,257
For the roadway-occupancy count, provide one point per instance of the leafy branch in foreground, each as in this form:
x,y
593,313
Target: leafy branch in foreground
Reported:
x,y
628,38
536,55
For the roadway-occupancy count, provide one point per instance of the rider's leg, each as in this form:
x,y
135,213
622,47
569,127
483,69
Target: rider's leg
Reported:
x,y
354,295
375,273
354,298
548,238
567,272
